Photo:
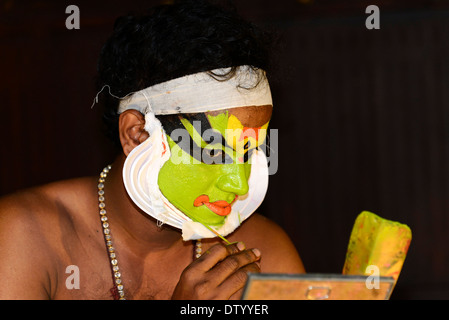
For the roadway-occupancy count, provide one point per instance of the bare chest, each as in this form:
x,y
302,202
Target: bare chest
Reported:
x,y
149,278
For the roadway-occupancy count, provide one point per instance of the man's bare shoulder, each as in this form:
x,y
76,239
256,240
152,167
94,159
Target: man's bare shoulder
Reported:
x,y
279,254
32,224
46,211
25,211
43,203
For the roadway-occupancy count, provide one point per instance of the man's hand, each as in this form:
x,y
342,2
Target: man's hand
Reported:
x,y
220,273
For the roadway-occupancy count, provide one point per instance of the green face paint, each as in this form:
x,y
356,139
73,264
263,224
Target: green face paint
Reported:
x,y
205,192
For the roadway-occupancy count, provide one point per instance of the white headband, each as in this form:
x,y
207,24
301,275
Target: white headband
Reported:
x,y
200,92
192,94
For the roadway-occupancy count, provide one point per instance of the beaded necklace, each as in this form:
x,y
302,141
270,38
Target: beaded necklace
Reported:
x,y
118,290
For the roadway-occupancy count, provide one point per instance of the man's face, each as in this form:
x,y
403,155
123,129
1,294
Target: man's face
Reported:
x,y
208,167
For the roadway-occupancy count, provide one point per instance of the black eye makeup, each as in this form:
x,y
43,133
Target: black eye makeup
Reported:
x,y
215,150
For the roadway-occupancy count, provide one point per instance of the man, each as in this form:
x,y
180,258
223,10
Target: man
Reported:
x,y
172,216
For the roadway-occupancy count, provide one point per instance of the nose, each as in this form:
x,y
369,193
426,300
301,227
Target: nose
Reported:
x,y
234,179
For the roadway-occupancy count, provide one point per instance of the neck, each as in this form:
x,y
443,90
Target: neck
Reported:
x,y
128,222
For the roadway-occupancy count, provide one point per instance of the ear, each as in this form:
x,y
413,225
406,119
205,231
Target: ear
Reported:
x,y
131,130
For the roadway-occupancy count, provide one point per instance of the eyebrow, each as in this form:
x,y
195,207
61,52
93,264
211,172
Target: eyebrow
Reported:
x,y
202,119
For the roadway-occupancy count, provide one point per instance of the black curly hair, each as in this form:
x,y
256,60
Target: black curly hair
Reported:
x,y
174,40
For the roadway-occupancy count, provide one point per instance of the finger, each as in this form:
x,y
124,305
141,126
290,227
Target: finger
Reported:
x,y
235,283
232,264
237,295
216,254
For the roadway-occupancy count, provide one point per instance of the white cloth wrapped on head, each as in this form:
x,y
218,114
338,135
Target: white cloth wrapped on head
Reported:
x,y
201,92
194,93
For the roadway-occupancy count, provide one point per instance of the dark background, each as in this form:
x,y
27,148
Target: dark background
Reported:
x,y
363,117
